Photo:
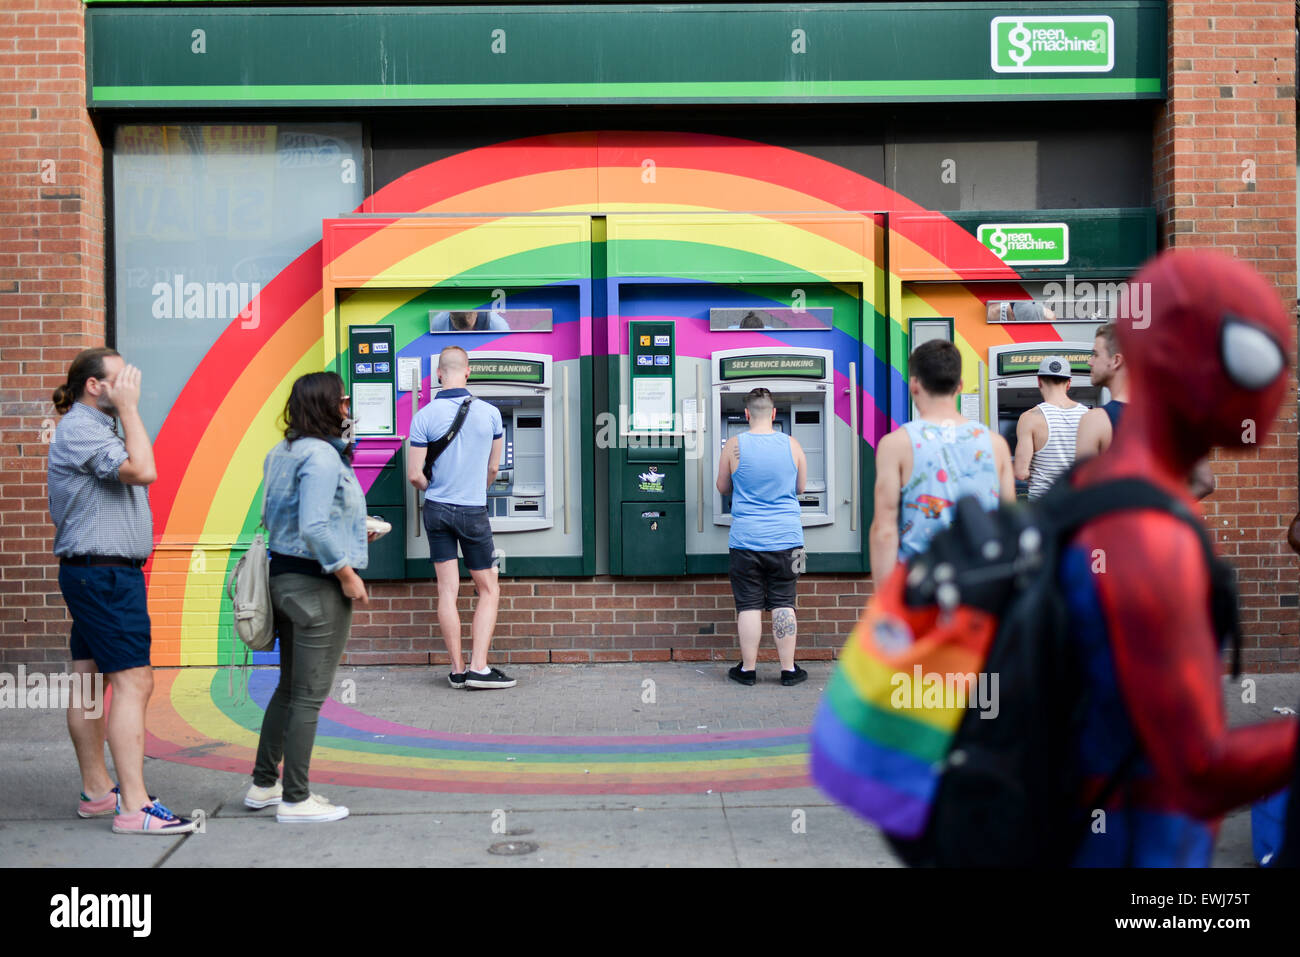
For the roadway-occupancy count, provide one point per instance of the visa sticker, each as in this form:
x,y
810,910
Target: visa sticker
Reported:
x,y
663,360
381,347
663,340
645,360
381,367
364,368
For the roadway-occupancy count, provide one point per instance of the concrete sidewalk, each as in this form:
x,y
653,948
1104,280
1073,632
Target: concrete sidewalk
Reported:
x,y
658,708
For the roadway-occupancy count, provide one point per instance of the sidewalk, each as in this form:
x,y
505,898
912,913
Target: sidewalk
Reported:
x,y
648,764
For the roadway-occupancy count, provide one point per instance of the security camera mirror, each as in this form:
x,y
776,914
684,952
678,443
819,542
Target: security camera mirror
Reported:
x,y
746,319
489,320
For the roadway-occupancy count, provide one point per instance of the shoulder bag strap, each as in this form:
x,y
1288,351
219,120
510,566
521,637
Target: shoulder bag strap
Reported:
x,y
436,449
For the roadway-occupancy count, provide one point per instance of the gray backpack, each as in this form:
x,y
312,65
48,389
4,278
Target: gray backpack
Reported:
x,y
249,588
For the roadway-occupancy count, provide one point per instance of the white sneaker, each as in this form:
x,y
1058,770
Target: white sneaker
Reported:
x,y
263,797
314,810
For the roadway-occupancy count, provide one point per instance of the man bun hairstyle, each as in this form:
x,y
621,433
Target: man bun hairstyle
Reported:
x,y
89,364
937,366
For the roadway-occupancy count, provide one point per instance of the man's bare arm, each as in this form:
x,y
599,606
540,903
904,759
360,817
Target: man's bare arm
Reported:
x,y
883,536
727,464
1093,436
1024,444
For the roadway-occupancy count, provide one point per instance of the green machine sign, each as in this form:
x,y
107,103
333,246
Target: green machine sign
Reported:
x,y
1053,44
756,367
1027,244
249,55
505,370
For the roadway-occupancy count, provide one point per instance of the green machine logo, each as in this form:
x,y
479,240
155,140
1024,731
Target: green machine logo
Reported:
x,y
1027,244
1053,44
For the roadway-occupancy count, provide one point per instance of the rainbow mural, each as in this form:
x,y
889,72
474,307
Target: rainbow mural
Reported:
x,y
211,446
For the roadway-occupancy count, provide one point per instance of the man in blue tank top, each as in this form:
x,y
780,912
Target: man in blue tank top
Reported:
x,y
924,466
764,472
1106,368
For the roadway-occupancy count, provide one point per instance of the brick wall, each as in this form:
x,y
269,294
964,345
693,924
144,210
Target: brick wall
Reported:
x,y
1225,178
51,294
602,619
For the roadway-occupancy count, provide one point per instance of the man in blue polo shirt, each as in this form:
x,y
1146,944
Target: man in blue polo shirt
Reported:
x,y
455,513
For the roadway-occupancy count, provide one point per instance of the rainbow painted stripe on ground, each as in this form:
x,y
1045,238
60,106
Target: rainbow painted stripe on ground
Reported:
x,y
193,720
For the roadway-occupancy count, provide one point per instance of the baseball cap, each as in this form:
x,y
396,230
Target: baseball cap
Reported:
x,y
1054,366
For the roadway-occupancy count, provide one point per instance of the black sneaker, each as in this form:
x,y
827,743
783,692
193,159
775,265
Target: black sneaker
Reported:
x,y
495,678
740,674
789,678
456,679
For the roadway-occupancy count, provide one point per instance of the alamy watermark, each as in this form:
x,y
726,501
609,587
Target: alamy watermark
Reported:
x,y
933,689
1110,301
84,690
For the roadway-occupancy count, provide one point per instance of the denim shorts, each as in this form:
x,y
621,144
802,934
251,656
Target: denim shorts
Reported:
x,y
110,615
466,525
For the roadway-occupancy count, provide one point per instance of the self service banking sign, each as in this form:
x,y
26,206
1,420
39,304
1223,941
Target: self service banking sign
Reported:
x,y
1053,44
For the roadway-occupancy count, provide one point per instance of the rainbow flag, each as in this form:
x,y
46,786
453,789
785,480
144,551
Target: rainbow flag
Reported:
x,y
883,728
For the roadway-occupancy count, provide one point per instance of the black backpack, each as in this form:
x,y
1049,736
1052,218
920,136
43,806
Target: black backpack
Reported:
x,y
1008,795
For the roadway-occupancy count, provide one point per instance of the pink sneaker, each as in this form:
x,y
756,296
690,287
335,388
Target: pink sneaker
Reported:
x,y
154,819
110,803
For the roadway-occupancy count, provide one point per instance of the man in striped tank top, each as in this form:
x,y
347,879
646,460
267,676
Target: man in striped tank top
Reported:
x,y
1046,434
924,466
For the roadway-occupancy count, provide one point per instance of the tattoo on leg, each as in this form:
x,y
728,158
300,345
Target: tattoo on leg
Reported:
x,y
783,623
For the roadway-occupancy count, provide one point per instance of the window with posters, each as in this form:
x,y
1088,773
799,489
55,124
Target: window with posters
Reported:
x,y
204,217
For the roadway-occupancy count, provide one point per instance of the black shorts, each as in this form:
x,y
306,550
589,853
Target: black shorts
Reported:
x,y
110,615
466,525
761,581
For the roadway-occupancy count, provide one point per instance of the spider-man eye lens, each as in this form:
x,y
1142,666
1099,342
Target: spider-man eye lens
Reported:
x,y
1250,356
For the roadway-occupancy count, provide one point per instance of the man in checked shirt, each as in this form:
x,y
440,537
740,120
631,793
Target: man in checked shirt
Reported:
x,y
103,535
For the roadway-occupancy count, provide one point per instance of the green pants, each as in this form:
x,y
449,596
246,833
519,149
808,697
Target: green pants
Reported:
x,y
313,620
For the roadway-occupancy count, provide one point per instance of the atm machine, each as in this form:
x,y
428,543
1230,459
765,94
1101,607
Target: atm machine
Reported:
x,y
1013,384
800,381
520,386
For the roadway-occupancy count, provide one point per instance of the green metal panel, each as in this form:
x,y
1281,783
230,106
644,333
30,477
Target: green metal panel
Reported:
x,y
208,56
654,538
388,554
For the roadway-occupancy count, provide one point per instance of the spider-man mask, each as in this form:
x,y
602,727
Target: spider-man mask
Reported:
x,y
1209,355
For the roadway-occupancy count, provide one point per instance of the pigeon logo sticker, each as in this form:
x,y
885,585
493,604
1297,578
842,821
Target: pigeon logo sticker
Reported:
x,y
652,480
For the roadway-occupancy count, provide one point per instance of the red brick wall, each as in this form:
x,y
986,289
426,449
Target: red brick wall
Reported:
x,y
1231,114
602,619
51,294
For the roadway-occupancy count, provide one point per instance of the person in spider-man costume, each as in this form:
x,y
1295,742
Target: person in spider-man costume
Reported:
x,y
1208,367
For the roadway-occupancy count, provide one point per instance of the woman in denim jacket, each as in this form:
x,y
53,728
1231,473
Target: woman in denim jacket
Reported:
x,y
315,514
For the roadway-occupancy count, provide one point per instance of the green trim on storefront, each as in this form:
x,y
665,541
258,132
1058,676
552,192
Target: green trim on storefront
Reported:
x,y
411,54
779,91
